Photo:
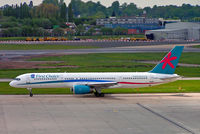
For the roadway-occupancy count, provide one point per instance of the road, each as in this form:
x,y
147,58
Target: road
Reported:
x,y
132,49
102,43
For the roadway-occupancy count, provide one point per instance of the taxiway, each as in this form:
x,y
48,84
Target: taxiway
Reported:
x,y
114,114
130,49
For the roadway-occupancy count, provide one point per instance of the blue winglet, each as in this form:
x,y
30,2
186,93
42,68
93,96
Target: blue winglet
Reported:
x,y
168,64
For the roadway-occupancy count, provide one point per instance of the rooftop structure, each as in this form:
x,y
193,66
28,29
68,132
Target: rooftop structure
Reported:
x,y
136,24
176,31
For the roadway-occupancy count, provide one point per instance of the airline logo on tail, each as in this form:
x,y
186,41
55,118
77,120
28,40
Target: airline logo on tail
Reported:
x,y
168,64
167,60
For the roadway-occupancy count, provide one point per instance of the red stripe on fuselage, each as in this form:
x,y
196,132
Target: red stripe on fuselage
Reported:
x,y
137,83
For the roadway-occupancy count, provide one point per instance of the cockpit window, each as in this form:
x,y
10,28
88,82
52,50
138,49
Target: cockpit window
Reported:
x,y
17,79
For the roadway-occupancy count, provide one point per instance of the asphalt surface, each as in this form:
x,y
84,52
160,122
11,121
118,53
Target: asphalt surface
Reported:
x,y
149,49
113,114
102,43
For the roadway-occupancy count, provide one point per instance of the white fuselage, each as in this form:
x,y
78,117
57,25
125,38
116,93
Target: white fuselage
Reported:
x,y
68,80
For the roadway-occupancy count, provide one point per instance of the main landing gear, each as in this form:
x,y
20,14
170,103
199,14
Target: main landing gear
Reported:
x,y
30,92
98,93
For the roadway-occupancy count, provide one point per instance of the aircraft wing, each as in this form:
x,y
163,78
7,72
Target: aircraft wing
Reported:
x,y
101,84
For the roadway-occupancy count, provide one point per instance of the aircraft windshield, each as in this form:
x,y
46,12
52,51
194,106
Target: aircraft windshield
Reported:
x,y
17,79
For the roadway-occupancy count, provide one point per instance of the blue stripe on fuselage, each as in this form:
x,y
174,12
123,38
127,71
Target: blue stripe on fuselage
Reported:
x,y
62,81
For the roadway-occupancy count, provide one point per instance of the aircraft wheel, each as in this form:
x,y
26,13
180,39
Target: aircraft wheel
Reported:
x,y
31,94
101,95
96,94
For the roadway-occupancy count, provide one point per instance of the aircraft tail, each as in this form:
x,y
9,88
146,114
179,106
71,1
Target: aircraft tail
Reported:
x,y
168,64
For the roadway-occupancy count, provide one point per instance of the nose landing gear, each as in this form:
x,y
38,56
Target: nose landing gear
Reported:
x,y
30,92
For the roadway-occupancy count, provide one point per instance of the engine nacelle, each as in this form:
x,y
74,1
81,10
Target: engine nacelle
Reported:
x,y
81,89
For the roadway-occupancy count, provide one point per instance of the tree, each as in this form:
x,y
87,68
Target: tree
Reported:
x,y
58,32
107,31
63,12
21,11
61,2
5,33
120,31
54,2
80,30
91,31
78,7
99,14
39,32
130,10
70,13
31,4
115,7
197,19
9,11
8,24
47,11
44,23
15,31
113,14
1,14
25,10
27,31
17,11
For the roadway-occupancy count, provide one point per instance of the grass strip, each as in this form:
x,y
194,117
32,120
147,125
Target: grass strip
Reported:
x,y
180,86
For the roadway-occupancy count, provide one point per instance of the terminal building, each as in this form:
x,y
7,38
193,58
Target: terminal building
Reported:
x,y
135,25
176,31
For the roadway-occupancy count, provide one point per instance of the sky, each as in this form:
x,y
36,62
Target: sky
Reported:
x,y
139,3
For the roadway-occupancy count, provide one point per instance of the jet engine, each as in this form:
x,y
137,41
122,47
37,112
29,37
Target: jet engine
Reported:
x,y
81,89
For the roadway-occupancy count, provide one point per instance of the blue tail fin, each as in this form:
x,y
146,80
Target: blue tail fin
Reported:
x,y
168,64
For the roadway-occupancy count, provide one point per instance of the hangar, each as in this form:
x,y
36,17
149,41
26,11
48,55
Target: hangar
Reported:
x,y
176,31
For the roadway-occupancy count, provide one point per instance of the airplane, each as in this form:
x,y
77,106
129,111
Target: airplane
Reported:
x,y
85,83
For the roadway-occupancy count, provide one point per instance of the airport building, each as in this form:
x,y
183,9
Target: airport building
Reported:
x,y
176,31
135,25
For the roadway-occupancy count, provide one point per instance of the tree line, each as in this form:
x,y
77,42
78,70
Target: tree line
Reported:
x,y
58,9
29,20
48,9
97,10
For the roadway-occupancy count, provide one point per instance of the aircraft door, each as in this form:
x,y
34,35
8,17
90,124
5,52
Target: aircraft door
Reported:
x,y
150,79
120,79
28,80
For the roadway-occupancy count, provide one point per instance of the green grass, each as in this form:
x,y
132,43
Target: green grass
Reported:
x,y
117,58
107,63
198,46
180,86
185,86
40,47
12,38
12,73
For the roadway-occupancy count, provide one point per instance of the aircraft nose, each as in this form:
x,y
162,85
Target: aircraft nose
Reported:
x,y
11,84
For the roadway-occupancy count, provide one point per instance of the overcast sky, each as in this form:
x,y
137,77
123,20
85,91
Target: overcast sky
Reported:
x,y
139,3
